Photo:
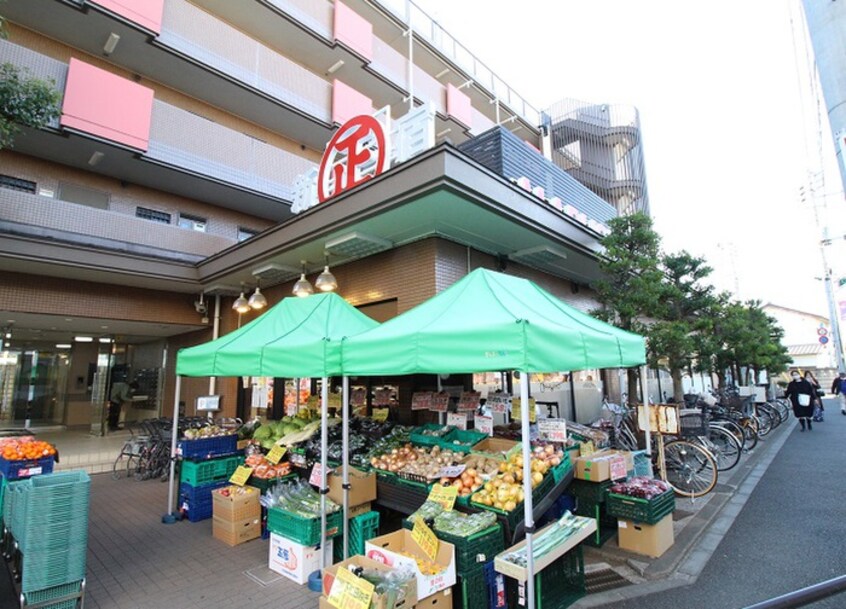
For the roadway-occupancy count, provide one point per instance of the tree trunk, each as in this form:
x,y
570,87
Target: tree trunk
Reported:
x,y
678,388
633,384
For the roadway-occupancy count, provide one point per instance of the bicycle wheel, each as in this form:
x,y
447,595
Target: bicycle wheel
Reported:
x,y
775,418
750,430
691,469
120,467
783,409
765,423
724,446
734,428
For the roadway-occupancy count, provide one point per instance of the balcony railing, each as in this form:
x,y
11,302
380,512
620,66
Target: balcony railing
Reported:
x,y
90,226
193,32
197,144
37,65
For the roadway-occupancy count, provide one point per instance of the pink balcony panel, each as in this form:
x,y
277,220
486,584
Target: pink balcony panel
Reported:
x,y
459,106
353,30
347,103
107,106
146,13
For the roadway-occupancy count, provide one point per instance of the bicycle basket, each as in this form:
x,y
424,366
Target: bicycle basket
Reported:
x,y
692,423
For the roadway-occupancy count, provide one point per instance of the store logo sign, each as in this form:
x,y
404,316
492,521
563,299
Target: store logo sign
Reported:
x,y
356,153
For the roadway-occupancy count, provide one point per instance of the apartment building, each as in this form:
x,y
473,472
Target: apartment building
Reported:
x,y
181,174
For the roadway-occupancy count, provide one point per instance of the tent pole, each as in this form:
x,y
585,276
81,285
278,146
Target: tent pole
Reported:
x,y
345,460
527,486
441,415
170,514
324,448
644,383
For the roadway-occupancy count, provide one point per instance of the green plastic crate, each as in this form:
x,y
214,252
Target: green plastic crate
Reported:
x,y
592,491
53,593
305,531
647,511
515,517
471,553
606,526
471,591
197,473
558,586
462,440
362,528
560,471
418,438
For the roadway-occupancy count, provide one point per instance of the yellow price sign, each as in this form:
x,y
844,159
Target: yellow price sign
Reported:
x,y
425,538
445,495
516,412
276,453
349,591
587,449
380,414
334,400
241,475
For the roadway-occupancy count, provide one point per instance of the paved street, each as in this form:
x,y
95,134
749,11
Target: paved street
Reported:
x,y
789,534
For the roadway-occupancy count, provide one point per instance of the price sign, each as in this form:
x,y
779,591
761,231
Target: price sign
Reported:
x,y
587,448
484,424
554,430
440,402
349,591
425,538
276,453
499,402
445,495
382,397
241,475
380,414
313,402
315,474
469,400
334,400
421,400
457,419
451,471
515,410
358,397
618,468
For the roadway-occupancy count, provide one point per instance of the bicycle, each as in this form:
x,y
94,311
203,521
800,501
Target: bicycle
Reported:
x,y
127,460
154,460
719,441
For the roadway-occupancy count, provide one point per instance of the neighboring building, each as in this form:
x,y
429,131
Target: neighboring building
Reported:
x,y
190,129
807,337
826,21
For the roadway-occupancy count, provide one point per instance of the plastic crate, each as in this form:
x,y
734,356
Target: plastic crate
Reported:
x,y
648,511
418,438
15,470
642,464
207,448
470,590
305,531
54,593
471,553
50,511
560,471
362,528
462,440
41,570
558,586
592,491
394,495
196,501
495,582
205,472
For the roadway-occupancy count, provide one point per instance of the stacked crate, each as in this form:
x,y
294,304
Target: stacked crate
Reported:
x,y
237,514
47,516
199,477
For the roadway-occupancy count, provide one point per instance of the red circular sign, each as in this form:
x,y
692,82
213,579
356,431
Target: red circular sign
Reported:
x,y
822,331
356,153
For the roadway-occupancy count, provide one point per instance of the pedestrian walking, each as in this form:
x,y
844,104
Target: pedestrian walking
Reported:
x,y
802,395
817,402
838,388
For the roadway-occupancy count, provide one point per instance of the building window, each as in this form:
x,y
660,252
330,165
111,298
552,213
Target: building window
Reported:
x,y
17,184
192,222
152,214
82,195
246,233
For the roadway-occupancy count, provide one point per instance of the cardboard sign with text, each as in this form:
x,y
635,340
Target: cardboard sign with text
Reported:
x,y
241,475
469,401
440,402
516,410
484,424
500,403
421,400
553,430
457,419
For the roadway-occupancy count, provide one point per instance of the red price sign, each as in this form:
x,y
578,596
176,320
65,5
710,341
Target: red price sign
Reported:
x,y
469,401
421,400
440,402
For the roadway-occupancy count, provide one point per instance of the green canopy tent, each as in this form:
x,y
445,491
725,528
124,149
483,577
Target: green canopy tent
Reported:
x,y
299,337
488,322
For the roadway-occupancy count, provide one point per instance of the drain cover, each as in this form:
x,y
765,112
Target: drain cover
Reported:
x,y
604,579
262,576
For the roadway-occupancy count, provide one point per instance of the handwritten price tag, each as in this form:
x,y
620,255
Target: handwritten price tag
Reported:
x,y
516,410
483,424
469,401
380,414
451,471
425,538
241,475
445,495
457,419
440,402
316,471
276,453
499,402
382,397
349,591
358,397
554,430
421,400
334,400
587,449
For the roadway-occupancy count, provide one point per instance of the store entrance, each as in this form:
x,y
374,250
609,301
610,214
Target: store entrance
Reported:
x,y
32,387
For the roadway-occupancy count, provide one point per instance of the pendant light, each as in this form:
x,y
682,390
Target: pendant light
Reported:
x,y
303,287
257,300
326,281
241,304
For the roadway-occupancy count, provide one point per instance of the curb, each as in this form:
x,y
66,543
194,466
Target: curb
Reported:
x,y
684,567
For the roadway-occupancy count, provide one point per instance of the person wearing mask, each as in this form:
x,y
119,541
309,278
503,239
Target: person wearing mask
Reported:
x,y
817,402
801,394
838,388
121,392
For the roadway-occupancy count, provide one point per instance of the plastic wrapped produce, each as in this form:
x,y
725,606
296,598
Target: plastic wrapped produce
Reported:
x,y
641,487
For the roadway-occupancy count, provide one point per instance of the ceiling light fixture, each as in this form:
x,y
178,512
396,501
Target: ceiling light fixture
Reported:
x,y
257,300
303,287
326,281
96,157
241,304
83,339
335,66
63,345
105,339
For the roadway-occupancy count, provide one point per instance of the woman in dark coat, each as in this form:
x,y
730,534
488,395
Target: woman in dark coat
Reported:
x,y
802,395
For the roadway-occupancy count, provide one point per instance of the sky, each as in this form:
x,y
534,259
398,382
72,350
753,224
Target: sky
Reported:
x,y
728,118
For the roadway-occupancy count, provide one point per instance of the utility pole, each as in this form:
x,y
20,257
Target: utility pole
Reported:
x,y
833,310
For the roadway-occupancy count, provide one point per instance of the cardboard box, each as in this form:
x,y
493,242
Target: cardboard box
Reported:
x,y
234,533
294,561
385,549
495,448
604,465
379,601
647,539
237,506
441,600
362,486
358,510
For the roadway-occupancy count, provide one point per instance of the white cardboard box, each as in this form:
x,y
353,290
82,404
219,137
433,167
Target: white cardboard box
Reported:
x,y
295,561
385,549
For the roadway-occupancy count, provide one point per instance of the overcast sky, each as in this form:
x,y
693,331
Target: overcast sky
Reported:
x,y
722,111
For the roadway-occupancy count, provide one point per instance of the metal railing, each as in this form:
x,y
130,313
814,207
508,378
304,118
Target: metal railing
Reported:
x,y
804,596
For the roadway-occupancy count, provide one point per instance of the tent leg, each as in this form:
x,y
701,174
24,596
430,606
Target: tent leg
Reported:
x,y
324,448
170,515
527,486
345,460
